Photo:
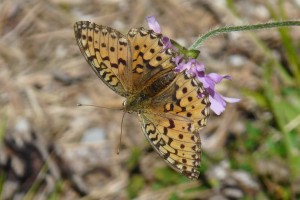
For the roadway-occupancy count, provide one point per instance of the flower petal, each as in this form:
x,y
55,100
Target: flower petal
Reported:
x,y
196,68
208,82
217,78
167,43
179,64
218,102
216,106
231,100
153,24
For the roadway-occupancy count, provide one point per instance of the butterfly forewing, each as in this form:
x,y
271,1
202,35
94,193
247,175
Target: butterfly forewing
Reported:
x,y
149,58
108,53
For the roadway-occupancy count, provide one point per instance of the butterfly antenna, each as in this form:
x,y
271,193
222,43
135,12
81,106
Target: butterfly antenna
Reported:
x,y
79,104
120,141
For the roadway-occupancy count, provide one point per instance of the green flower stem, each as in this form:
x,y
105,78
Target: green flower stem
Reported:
x,y
218,31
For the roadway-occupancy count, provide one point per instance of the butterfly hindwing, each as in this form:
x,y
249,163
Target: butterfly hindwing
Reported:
x,y
172,123
182,155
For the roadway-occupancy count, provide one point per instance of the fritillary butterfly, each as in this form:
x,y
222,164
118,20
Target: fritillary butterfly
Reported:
x,y
139,68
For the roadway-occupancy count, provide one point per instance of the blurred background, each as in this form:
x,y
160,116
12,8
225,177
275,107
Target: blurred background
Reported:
x,y
52,149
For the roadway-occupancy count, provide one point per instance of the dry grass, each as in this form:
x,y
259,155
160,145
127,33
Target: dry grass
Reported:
x,y
43,76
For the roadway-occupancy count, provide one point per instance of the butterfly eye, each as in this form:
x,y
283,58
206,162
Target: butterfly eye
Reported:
x,y
141,98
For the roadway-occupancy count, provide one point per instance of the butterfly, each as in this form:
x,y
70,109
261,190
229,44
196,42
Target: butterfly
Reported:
x,y
139,68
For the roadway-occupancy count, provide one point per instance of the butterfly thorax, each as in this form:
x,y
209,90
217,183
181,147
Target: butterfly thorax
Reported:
x,y
136,103
141,100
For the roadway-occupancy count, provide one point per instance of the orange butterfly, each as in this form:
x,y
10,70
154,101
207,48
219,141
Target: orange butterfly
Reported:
x,y
139,68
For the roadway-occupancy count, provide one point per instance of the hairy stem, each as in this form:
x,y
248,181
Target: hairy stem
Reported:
x,y
222,30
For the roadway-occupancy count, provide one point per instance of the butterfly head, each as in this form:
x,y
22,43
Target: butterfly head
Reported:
x,y
126,108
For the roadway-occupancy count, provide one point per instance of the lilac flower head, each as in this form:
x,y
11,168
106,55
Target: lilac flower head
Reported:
x,y
196,69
